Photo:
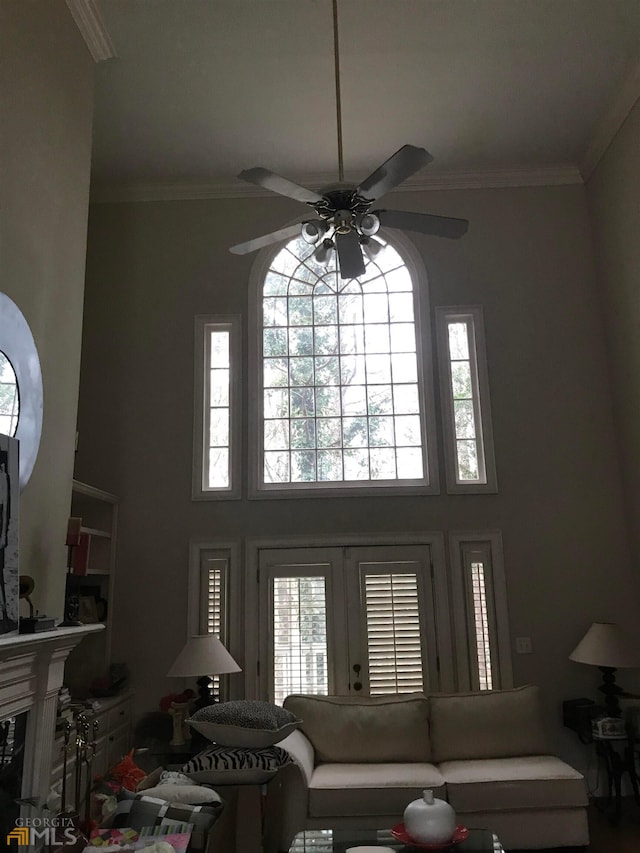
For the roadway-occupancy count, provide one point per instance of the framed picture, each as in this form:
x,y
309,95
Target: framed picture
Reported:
x,y
88,610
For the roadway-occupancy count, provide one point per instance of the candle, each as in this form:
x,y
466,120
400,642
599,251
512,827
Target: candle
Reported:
x,y
73,531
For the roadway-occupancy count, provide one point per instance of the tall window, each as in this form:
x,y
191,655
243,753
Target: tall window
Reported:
x,y
465,400
217,408
480,611
209,572
342,386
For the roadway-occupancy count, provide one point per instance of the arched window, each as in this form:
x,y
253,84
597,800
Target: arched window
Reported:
x,y
341,395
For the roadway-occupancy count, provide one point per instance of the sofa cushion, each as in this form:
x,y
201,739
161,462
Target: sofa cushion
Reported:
x,y
506,784
365,729
488,724
353,790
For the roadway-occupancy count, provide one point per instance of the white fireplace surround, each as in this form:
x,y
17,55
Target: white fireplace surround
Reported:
x,y
31,674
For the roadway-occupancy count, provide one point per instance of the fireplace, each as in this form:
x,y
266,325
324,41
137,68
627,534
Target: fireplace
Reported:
x,y
13,731
31,673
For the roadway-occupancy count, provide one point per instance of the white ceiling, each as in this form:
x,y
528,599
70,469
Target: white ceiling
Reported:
x,y
201,89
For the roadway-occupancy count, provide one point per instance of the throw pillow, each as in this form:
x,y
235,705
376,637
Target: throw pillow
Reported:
x,y
144,811
221,765
245,723
189,793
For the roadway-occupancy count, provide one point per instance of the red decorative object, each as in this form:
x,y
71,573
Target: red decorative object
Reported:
x,y
80,556
125,774
73,531
461,833
178,698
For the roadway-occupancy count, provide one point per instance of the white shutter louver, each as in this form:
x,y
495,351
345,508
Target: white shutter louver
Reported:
x,y
212,595
393,633
300,659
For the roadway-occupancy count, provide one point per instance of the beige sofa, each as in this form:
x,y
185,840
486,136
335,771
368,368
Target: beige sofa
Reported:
x,y
359,761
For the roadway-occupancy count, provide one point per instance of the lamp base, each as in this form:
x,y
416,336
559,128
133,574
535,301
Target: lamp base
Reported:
x,y
610,690
179,712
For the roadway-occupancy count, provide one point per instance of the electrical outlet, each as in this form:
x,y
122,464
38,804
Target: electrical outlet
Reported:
x,y
523,645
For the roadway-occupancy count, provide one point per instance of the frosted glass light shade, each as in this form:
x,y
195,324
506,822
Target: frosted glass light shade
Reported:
x,y
606,644
203,655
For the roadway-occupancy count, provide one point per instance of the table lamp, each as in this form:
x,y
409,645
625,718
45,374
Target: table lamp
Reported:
x,y
203,656
606,646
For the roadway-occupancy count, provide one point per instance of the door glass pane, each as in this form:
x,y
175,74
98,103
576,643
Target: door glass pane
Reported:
x,y
299,636
394,644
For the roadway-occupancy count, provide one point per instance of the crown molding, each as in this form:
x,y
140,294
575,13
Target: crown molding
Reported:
x,y
558,175
612,120
88,18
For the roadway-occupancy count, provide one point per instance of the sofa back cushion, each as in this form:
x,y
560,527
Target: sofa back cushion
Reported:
x,y
367,729
488,724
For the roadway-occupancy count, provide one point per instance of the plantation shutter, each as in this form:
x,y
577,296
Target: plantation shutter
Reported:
x,y
393,632
212,596
300,659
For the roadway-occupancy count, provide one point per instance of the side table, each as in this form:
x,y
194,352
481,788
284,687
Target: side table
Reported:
x,y
174,757
617,753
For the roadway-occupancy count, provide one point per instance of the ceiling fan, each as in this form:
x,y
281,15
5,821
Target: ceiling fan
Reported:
x,y
345,223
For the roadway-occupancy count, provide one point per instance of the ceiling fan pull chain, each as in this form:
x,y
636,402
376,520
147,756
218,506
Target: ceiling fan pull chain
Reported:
x,y
336,56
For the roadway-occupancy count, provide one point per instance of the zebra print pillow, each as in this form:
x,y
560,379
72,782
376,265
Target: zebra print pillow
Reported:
x,y
223,765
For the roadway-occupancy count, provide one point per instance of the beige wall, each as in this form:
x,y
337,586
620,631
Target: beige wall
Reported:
x,y
527,259
45,148
614,200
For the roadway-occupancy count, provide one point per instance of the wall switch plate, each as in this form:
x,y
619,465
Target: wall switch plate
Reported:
x,y
523,645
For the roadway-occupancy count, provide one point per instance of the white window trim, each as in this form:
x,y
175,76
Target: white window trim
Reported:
x,y
232,632
233,323
495,580
255,641
426,360
482,406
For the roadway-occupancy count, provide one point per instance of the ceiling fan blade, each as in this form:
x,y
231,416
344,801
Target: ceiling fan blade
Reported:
x,y
425,223
350,258
400,166
277,184
266,240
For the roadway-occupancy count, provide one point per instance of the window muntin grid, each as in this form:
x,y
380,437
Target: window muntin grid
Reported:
x,y
465,401
218,455
9,397
340,384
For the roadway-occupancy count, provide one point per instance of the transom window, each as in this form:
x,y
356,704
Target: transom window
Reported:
x,y
342,385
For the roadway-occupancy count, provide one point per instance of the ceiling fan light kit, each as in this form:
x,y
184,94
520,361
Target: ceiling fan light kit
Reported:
x,y
345,222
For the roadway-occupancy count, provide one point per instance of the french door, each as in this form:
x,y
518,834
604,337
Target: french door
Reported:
x,y
347,620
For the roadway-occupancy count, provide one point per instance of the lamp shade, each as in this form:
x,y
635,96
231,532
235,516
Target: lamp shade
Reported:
x,y
203,655
605,644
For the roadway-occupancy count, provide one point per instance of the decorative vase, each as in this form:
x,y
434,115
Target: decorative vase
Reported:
x,y
429,820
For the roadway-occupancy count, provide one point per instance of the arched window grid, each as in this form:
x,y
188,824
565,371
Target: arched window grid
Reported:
x,y
370,330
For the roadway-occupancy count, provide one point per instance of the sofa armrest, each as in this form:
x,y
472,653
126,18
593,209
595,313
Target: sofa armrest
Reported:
x,y
286,806
302,752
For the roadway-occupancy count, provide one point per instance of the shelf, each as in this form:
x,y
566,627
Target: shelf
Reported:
x,y
94,531
91,492
98,510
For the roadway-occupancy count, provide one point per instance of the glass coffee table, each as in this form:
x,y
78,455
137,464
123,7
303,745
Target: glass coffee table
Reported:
x,y
339,841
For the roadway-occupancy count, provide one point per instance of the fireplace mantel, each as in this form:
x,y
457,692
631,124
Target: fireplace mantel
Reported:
x,y
31,674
